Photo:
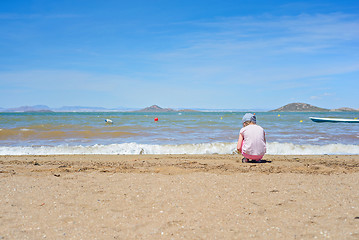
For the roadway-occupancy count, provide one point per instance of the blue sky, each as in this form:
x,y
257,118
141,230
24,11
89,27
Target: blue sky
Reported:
x,y
179,54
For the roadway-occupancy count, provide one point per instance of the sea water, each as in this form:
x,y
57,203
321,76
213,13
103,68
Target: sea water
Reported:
x,y
173,133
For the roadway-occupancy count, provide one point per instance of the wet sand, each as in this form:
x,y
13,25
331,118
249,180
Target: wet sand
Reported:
x,y
179,197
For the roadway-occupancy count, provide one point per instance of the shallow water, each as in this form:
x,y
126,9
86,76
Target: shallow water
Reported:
x,y
186,132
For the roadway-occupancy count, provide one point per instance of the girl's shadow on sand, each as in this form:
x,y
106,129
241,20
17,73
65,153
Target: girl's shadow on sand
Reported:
x,y
261,161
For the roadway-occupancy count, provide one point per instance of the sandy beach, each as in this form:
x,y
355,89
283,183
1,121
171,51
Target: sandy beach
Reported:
x,y
179,197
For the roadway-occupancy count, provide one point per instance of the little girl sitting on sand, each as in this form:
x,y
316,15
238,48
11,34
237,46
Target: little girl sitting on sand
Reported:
x,y
252,140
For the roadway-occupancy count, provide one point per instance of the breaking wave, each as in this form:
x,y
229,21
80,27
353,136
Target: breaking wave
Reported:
x,y
201,148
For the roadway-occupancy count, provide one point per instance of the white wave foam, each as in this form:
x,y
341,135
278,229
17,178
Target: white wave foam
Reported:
x,y
202,148
125,148
307,149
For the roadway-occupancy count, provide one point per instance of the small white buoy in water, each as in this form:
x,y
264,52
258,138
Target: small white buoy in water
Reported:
x,y
109,121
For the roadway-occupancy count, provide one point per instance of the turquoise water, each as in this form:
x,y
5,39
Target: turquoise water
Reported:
x,y
190,129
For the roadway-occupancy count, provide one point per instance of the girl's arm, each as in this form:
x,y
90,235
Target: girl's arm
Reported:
x,y
239,144
265,140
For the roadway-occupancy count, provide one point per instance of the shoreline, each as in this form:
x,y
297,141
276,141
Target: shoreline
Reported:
x,y
179,197
180,163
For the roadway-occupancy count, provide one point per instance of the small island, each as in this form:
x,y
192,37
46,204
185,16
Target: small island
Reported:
x,y
156,108
304,107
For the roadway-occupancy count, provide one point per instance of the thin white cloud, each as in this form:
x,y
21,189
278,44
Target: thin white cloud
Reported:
x,y
64,80
266,48
269,33
321,96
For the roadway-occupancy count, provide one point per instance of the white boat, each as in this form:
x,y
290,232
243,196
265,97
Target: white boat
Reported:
x,y
342,120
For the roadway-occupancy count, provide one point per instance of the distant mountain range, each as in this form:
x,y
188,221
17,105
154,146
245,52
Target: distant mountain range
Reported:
x,y
292,107
36,108
153,108
44,108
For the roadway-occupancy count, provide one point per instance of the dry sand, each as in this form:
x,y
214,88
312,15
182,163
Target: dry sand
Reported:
x,y
178,197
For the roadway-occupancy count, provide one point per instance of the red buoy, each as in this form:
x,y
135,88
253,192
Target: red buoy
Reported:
x,y
156,119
